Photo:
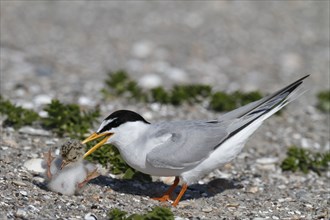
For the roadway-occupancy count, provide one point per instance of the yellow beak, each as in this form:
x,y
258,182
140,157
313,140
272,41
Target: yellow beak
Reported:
x,y
93,137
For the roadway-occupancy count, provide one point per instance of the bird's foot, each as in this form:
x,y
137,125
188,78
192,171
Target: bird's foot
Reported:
x,y
90,176
49,158
164,198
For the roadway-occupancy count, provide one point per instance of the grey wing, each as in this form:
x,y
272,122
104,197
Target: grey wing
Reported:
x,y
187,145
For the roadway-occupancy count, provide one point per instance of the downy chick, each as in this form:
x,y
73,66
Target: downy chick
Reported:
x,y
68,172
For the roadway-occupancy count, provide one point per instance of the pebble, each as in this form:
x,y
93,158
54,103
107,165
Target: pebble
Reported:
x,y
207,209
42,100
9,142
20,213
35,165
253,189
19,183
267,160
150,81
142,49
23,193
33,131
179,218
177,75
86,101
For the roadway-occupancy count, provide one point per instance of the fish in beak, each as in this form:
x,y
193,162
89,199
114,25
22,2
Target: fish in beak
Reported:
x,y
96,136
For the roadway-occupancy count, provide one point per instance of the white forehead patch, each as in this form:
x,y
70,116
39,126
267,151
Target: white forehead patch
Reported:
x,y
104,123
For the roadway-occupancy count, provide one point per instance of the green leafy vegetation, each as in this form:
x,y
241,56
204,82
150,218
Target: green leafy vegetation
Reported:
x,y
119,83
303,160
324,101
62,119
68,119
16,115
157,213
221,101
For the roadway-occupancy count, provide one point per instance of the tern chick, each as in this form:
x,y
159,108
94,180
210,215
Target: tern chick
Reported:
x,y
68,172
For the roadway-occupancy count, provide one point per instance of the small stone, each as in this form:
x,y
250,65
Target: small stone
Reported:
x,y
268,167
150,81
38,179
42,99
23,193
275,217
33,131
267,160
179,218
177,75
10,143
207,209
232,205
253,189
35,165
20,213
297,212
19,183
33,208
136,200
83,100
46,197
142,49
43,114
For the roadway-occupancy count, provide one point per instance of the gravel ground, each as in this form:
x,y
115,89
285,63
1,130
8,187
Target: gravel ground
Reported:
x,y
57,49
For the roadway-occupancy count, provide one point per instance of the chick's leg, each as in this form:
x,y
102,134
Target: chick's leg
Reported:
x,y
49,158
90,176
168,193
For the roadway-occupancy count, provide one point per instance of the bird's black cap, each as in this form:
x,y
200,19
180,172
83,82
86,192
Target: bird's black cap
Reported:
x,y
120,117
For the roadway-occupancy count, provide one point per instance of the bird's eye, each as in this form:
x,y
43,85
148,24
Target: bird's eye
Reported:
x,y
74,158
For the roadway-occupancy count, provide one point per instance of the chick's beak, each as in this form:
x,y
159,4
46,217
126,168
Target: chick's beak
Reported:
x,y
64,163
93,137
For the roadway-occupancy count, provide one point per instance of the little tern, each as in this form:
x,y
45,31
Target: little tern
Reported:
x,y
187,150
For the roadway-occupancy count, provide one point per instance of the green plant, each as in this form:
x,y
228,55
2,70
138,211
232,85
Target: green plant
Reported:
x,y
304,161
324,101
189,93
119,83
16,115
160,95
221,101
157,213
68,119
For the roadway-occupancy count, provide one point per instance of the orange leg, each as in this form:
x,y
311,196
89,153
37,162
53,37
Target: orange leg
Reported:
x,y
89,177
183,190
167,194
49,158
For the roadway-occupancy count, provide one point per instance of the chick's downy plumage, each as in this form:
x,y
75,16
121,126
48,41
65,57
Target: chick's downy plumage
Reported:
x,y
68,172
